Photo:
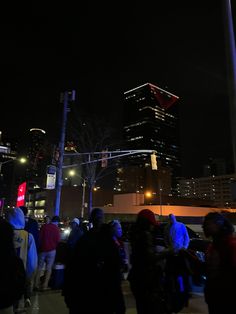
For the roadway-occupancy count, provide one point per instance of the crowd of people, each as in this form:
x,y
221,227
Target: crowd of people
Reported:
x,y
96,262
30,246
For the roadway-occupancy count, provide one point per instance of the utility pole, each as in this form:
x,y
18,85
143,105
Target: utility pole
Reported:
x,y
67,96
160,195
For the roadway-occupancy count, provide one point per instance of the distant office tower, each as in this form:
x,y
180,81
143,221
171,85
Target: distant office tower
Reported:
x,y
151,122
36,152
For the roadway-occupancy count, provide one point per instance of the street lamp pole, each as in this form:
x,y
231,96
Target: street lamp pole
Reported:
x,y
61,156
67,96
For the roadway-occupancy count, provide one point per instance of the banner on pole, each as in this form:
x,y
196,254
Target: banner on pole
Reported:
x,y
51,177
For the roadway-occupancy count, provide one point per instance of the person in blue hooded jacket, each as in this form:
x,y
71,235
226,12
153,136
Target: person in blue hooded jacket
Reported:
x,y
177,273
25,248
176,234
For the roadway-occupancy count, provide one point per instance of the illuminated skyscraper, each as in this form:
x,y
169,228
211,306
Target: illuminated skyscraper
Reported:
x,y
36,150
151,122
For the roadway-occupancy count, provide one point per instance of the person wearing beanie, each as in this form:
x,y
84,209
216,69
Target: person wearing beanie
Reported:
x,y
148,215
25,247
145,274
75,234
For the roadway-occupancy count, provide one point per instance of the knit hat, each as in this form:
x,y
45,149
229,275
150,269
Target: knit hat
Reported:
x,y
149,215
76,220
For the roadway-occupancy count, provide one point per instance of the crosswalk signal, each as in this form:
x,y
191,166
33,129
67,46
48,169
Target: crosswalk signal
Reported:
x,y
154,161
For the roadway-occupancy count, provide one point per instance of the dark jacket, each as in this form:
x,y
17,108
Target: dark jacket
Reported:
x,y
31,225
12,281
74,236
221,273
92,275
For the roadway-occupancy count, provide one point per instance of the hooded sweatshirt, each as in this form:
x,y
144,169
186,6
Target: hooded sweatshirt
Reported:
x,y
176,234
23,240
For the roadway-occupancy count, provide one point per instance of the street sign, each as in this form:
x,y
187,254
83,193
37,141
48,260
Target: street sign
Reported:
x,y
51,177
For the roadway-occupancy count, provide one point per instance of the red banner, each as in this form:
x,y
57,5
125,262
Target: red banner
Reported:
x,y
21,195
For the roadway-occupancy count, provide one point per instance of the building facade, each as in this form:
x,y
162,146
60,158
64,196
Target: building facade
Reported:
x,y
220,189
8,168
150,122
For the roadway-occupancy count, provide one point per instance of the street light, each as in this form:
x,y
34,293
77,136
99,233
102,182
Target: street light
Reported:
x,y
72,173
148,194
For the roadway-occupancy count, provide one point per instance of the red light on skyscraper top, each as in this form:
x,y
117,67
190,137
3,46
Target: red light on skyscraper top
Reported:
x,y
21,195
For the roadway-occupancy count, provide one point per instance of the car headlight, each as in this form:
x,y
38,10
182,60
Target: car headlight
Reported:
x,y
66,231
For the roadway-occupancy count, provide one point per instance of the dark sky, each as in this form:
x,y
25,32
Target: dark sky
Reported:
x,y
103,50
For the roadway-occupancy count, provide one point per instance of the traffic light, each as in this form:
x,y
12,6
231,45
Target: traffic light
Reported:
x,y
104,159
154,161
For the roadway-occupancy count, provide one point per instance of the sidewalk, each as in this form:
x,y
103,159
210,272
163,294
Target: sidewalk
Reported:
x,y
197,304
51,302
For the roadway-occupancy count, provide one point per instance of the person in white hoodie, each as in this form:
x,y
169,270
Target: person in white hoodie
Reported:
x,y
176,234
25,248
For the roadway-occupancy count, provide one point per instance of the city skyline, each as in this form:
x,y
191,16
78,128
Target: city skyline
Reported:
x,y
101,54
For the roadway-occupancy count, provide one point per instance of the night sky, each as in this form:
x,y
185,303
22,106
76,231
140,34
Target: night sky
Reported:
x,y
102,51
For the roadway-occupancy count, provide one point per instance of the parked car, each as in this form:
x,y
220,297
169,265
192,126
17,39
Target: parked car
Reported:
x,y
197,243
64,231
197,247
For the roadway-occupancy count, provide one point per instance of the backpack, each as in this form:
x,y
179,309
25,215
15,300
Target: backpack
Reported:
x,y
21,244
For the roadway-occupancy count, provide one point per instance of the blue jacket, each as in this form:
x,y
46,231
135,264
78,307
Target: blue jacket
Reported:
x,y
176,235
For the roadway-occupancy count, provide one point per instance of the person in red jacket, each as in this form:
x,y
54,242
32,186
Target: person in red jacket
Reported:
x,y
220,264
49,237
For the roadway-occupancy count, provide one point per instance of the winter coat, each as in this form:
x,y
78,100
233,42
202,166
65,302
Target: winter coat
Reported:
x,y
23,241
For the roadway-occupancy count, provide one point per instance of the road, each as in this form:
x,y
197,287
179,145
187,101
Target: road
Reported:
x,y
51,302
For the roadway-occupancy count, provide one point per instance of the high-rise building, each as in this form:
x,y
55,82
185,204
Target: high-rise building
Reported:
x,y
151,122
36,151
7,170
39,155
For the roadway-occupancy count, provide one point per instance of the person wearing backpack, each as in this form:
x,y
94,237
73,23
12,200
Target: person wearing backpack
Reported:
x,y
25,248
12,272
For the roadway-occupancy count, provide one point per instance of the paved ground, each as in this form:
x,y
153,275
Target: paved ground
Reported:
x,y
51,302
